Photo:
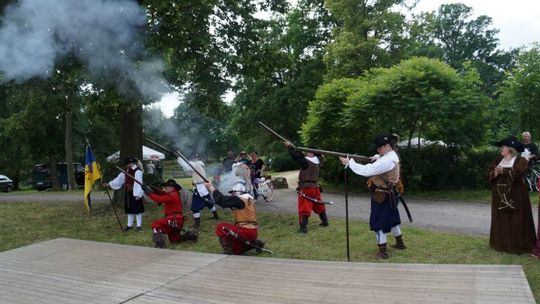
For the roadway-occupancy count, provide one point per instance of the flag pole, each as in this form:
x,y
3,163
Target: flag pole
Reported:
x,y
108,194
347,212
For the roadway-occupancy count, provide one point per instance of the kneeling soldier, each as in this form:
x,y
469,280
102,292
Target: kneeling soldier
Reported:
x,y
245,227
172,223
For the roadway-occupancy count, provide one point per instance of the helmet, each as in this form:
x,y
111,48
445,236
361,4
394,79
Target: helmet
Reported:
x,y
238,187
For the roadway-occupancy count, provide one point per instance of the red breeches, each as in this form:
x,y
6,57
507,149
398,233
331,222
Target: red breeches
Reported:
x,y
305,206
171,226
238,247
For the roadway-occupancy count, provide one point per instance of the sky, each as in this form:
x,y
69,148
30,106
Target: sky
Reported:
x,y
517,21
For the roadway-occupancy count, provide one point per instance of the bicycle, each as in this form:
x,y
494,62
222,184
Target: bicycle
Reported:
x,y
264,188
533,177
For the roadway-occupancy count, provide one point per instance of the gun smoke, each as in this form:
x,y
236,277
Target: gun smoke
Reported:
x,y
105,36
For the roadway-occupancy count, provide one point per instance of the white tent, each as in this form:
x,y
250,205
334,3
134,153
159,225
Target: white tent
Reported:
x,y
148,154
423,143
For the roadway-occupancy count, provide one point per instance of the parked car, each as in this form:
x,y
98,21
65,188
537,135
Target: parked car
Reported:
x,y
41,176
6,184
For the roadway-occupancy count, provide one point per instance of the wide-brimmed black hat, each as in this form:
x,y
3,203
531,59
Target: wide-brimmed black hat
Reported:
x,y
315,148
381,140
130,160
512,142
172,183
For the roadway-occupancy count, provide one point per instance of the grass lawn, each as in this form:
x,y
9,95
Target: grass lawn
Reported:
x,y
26,223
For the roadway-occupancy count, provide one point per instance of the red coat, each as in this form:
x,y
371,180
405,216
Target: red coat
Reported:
x,y
172,202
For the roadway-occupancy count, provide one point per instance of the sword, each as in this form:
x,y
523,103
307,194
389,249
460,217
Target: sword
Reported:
x,y
236,236
405,207
314,200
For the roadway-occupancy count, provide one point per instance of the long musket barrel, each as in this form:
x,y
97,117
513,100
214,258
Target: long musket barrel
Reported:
x,y
178,153
267,128
129,175
359,158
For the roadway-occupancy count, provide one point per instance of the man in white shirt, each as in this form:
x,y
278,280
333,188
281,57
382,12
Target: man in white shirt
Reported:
x,y
201,197
133,203
384,177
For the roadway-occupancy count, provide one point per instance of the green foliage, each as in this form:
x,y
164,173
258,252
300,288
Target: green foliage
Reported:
x,y
454,36
419,97
367,34
519,100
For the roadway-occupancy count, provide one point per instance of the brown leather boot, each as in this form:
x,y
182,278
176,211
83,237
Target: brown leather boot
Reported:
x,y
399,243
382,251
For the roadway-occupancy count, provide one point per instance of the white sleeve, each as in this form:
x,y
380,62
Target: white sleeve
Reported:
x,y
118,182
137,189
184,165
379,167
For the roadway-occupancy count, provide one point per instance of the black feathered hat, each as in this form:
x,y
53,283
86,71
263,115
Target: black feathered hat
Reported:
x,y
172,183
130,160
512,142
382,139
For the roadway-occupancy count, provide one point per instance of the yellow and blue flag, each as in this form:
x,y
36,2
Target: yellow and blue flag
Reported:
x,y
91,175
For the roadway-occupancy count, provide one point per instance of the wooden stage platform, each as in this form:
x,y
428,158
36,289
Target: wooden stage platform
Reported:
x,y
74,271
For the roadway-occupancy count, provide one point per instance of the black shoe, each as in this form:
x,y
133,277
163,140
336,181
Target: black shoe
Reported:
x,y
303,224
138,229
197,223
128,228
258,243
191,235
382,251
215,215
399,243
324,220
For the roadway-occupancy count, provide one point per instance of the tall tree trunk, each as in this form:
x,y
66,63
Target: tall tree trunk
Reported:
x,y
131,140
72,183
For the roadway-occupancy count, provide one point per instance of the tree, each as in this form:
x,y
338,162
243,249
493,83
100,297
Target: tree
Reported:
x,y
366,34
281,75
454,36
519,100
419,97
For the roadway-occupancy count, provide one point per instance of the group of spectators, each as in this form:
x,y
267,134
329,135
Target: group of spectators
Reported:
x,y
249,168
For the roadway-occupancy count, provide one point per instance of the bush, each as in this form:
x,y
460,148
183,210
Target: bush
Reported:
x,y
429,169
282,161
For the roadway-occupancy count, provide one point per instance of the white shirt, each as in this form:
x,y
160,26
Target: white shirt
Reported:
x,y
314,160
119,181
383,164
507,164
201,188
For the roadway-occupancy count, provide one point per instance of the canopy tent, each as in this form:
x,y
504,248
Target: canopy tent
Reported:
x,y
148,154
423,143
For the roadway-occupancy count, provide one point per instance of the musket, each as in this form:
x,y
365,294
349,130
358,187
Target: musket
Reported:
x,y
178,154
236,236
314,200
360,158
129,175
267,128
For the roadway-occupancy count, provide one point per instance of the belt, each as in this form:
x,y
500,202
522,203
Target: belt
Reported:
x,y
248,225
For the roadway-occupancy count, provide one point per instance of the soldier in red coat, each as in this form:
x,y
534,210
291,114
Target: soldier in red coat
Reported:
x,y
172,223
245,219
308,187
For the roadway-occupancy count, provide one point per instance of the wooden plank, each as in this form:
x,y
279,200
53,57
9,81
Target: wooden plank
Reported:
x,y
74,271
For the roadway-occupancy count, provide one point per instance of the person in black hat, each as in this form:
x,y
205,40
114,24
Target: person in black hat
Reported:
x,y
172,223
133,203
308,187
201,197
384,179
512,223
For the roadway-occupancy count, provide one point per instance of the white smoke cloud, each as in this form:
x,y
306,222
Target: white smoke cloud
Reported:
x,y
104,35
